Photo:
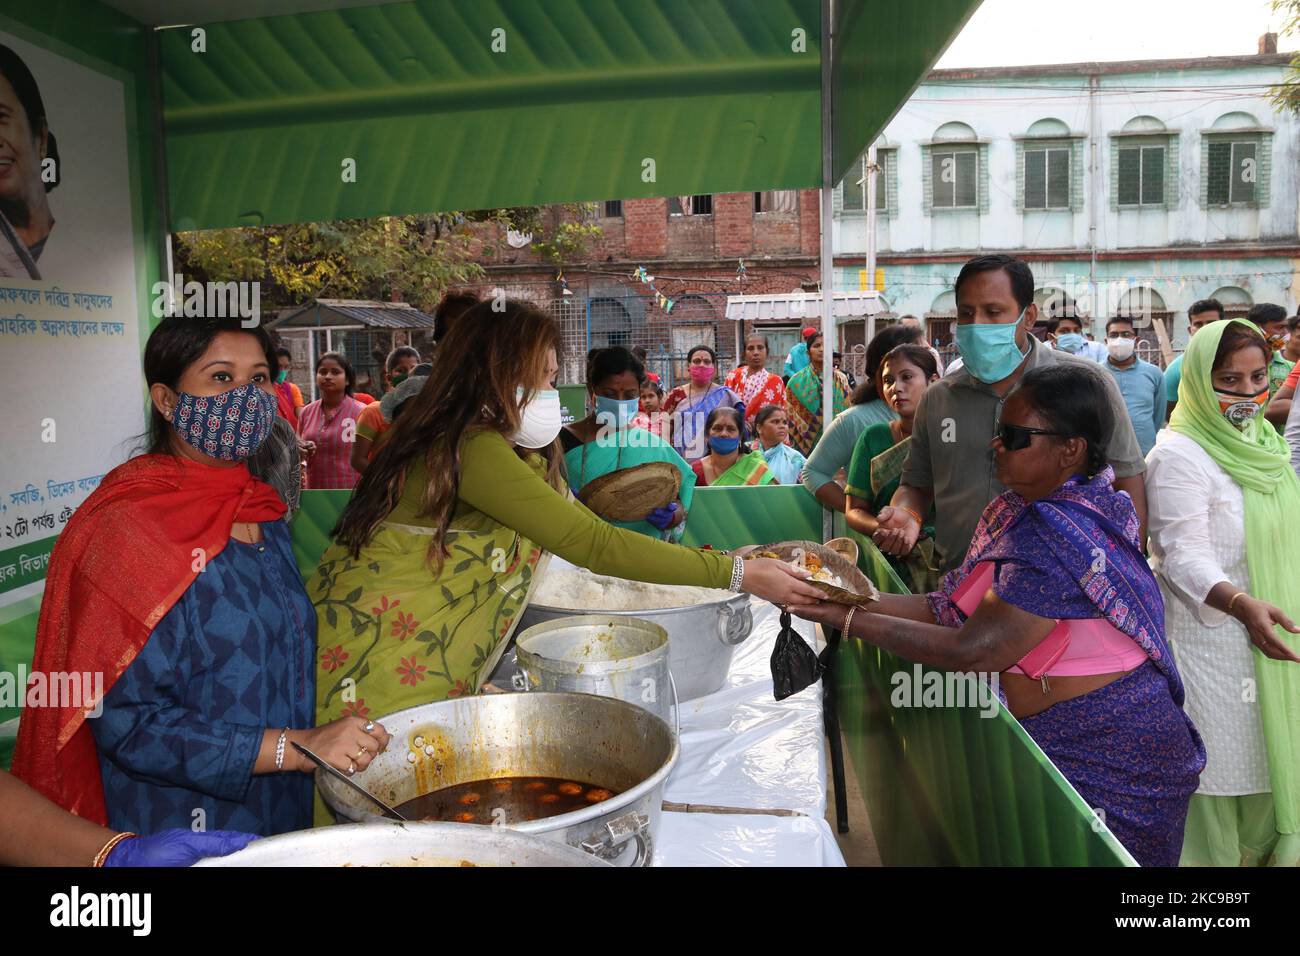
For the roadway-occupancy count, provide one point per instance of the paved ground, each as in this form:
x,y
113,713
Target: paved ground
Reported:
x,y
859,844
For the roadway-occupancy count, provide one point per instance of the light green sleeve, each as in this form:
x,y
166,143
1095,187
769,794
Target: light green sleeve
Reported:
x,y
495,481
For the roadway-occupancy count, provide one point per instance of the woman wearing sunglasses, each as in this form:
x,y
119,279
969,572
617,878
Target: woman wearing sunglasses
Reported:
x,y
1056,598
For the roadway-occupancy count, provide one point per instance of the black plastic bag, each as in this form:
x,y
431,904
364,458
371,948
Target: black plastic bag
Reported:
x,y
794,664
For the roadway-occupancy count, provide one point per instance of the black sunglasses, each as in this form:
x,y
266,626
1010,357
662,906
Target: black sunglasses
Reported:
x,y
1016,437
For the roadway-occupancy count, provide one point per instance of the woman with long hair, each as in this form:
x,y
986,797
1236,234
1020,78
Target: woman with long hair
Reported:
x,y
877,463
1223,500
689,405
833,453
436,554
176,580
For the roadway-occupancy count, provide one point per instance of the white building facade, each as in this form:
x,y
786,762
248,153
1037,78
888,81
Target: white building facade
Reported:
x,y
1130,188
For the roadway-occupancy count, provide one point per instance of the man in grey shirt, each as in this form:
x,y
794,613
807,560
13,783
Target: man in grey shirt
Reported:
x,y
950,462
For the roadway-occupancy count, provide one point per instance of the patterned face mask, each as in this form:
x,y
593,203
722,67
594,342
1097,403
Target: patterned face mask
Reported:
x,y
230,426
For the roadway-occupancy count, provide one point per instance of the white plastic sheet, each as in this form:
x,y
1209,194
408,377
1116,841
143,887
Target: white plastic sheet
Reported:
x,y
711,839
743,749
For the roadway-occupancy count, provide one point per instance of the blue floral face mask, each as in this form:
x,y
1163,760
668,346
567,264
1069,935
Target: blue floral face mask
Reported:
x,y
230,426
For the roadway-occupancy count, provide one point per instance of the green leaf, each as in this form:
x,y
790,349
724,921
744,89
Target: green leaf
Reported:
x,y
354,596
365,669
374,567
447,595
358,627
462,567
425,636
331,616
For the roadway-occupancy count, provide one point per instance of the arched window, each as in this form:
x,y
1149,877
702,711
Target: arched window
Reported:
x,y
1236,301
1236,162
1144,165
953,164
1049,156
610,324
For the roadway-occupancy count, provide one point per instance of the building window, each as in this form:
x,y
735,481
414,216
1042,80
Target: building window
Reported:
x,y
777,200
1047,178
1141,171
613,209
854,184
956,178
1232,172
690,205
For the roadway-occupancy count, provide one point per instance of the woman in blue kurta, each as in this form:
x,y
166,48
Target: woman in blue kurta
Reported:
x,y
176,580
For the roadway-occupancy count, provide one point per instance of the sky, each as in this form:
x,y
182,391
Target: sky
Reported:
x,y
1023,32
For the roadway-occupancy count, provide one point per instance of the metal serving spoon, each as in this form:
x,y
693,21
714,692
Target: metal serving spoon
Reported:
x,y
388,811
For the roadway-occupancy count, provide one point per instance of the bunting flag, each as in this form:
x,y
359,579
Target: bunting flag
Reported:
x,y
663,301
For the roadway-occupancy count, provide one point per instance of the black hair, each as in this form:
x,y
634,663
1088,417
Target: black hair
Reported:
x,y
282,350
882,343
176,343
1235,338
764,413
20,78
1293,323
614,360
1205,305
399,353
452,306
344,364
702,348
648,382
759,335
1073,400
1017,270
740,424
1264,313
1126,319
917,355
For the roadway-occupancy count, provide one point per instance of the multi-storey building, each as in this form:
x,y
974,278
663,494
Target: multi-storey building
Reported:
x,y
1131,187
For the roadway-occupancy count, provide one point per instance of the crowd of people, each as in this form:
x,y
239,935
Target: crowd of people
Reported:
x,y
1114,551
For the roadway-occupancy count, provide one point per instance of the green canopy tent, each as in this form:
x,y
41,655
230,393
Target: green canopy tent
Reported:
x,y
280,111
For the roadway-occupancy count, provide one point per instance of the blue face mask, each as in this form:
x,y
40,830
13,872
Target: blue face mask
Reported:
x,y
1071,342
724,446
612,411
229,426
989,352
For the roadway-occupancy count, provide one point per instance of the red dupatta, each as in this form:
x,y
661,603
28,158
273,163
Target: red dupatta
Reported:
x,y
125,558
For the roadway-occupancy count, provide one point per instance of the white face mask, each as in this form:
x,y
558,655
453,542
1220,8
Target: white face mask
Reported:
x,y
1120,349
540,419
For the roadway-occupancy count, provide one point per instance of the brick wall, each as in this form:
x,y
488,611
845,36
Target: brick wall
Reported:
x,y
645,224
733,225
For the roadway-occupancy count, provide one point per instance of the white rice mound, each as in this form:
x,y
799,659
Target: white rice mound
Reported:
x,y
577,589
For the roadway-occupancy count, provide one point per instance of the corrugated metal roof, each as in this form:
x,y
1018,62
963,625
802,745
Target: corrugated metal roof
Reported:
x,y
797,307
333,313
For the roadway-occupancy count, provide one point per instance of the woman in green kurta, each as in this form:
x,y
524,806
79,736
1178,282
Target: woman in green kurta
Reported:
x,y
877,464
803,400
605,440
437,552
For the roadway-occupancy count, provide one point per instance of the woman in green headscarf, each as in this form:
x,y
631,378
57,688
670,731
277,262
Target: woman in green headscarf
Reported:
x,y
1223,500
803,400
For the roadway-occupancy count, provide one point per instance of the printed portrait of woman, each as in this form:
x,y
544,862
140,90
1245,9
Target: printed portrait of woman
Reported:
x,y
26,177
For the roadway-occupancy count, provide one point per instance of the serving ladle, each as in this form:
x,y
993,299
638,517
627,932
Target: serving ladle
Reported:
x,y
387,810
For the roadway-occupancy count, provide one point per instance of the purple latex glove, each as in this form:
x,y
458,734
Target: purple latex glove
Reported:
x,y
177,847
662,518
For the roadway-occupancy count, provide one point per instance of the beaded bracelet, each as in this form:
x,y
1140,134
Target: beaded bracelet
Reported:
x,y
279,749
737,574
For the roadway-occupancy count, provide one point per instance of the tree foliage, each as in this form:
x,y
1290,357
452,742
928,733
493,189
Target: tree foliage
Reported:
x,y
1286,95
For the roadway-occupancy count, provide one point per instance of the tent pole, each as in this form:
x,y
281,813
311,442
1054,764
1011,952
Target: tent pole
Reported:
x,y
827,246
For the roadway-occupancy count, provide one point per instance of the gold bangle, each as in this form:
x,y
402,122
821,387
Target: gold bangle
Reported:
x,y
848,620
102,855
1234,600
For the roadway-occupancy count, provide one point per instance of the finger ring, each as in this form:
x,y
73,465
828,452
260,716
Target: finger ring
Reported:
x,y
352,768
370,725
357,755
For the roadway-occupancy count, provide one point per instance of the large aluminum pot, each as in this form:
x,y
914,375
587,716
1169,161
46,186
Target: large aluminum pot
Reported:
x,y
405,844
702,638
576,736
621,657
